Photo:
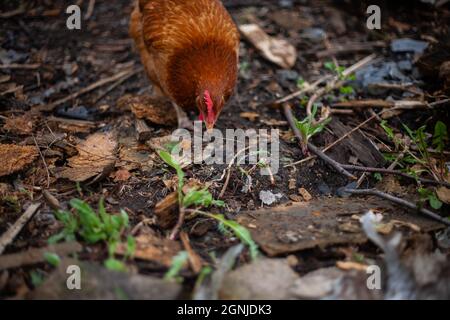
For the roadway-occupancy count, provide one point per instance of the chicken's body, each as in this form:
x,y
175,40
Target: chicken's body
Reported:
x,y
190,51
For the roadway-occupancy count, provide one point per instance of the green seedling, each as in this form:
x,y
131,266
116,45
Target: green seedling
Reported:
x,y
339,70
52,258
203,198
178,262
431,197
308,128
94,228
229,226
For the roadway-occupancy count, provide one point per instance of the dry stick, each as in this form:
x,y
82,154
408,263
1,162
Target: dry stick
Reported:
x,y
12,232
194,258
334,164
396,172
399,201
87,89
307,89
20,66
90,9
334,84
43,160
177,228
116,84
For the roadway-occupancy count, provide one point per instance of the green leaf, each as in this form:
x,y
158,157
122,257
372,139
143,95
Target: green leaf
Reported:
x,y
52,258
115,265
389,131
240,231
346,90
131,246
177,264
435,203
440,136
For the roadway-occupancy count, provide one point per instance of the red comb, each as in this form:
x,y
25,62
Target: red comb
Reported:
x,y
209,107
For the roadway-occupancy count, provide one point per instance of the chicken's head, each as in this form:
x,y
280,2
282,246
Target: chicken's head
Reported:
x,y
209,106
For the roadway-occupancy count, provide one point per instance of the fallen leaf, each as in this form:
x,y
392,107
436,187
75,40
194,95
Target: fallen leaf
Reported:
x,y
305,194
96,155
158,111
21,125
278,51
443,194
122,175
131,157
15,158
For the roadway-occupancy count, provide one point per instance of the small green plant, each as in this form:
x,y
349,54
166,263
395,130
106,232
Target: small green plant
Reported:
x,y
308,128
52,258
37,278
301,83
431,197
177,264
339,70
199,198
203,198
225,226
94,228
346,90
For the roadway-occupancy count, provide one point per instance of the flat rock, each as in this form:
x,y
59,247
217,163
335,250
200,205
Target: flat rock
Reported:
x,y
98,283
264,279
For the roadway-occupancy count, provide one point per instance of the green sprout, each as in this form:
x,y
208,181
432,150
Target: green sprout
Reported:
x,y
94,228
308,128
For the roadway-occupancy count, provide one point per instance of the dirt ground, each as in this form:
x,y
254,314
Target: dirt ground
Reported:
x,y
309,231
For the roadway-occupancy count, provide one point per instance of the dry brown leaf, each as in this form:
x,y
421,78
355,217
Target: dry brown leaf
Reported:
x,y
15,158
157,111
278,51
96,155
443,194
122,175
131,157
19,125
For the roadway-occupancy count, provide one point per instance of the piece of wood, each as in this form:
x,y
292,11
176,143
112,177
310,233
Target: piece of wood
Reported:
x,y
166,211
36,255
14,230
400,202
143,131
358,144
194,259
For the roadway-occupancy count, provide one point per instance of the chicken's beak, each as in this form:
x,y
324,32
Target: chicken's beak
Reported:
x,y
209,126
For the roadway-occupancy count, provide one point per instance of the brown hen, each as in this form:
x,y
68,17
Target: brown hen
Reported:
x,y
190,51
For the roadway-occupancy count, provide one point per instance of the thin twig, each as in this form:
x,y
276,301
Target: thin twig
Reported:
x,y
333,84
334,164
90,9
87,89
20,66
399,201
43,160
177,228
395,172
14,230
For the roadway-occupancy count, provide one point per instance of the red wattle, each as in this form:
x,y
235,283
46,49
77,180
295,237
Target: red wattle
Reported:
x,y
200,117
